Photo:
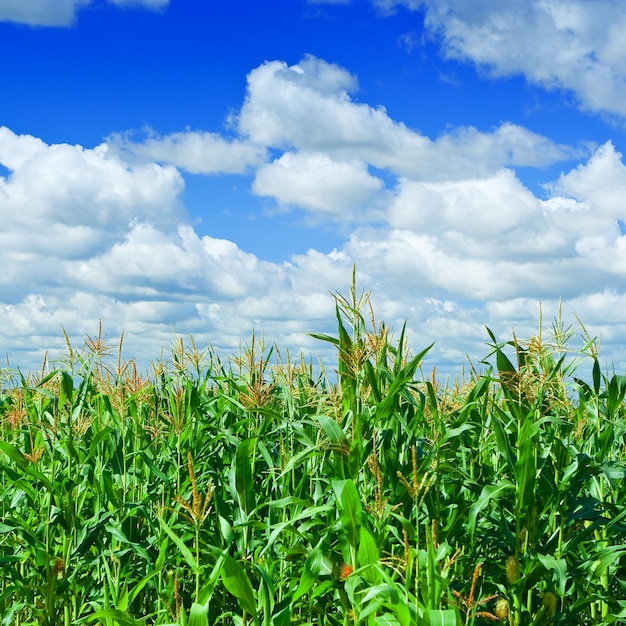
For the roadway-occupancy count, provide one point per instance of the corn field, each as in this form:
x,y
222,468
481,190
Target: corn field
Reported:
x,y
256,492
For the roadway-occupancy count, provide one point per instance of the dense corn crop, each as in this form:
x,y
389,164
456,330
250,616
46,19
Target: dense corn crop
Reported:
x,y
260,493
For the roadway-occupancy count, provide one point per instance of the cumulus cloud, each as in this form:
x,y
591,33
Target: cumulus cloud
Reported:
x,y
308,107
154,5
599,186
72,185
64,202
151,261
573,45
90,234
601,181
317,183
442,228
492,238
196,152
41,12
59,12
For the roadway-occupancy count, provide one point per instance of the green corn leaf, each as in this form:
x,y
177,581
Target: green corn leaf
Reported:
x,y
244,482
282,614
402,612
21,487
437,617
368,551
525,477
502,438
238,584
604,559
368,557
398,384
266,595
349,505
277,531
615,399
226,530
121,618
451,433
615,470
597,376
384,620
503,363
155,470
376,597
184,550
310,572
326,338
333,431
23,464
208,587
489,493
297,459
198,615
90,532
373,378
433,573
14,454
559,567
432,401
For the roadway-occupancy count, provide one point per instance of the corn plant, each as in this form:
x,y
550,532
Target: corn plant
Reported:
x,y
260,491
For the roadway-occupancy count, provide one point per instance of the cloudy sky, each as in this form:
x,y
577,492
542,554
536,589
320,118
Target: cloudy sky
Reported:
x,y
177,167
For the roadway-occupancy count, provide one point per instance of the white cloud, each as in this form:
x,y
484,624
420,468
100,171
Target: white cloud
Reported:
x,y
41,12
59,12
63,202
490,238
196,152
16,150
317,183
574,45
150,261
71,185
493,217
600,185
154,5
330,142
448,236
307,107
508,144
90,235
601,182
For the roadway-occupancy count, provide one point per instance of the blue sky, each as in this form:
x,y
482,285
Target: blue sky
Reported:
x,y
183,166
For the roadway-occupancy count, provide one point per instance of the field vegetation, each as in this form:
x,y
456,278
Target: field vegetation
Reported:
x,y
259,492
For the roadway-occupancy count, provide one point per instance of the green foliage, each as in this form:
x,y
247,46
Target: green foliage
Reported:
x,y
256,494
